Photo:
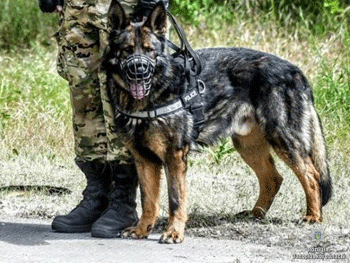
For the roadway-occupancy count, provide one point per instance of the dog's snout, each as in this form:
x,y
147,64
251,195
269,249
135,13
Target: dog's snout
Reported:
x,y
138,67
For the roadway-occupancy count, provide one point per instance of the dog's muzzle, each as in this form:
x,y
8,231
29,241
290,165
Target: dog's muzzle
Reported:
x,y
138,71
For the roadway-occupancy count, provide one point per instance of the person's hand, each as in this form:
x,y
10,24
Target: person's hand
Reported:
x,y
144,8
50,6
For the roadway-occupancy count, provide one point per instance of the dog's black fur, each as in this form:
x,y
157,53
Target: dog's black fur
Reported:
x,y
258,99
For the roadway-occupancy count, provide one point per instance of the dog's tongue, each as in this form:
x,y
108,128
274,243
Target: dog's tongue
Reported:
x,y
138,90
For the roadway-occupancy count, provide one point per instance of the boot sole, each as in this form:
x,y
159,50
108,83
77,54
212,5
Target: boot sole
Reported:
x,y
105,233
102,231
64,228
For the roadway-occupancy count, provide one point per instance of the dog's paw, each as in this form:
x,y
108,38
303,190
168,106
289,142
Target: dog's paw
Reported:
x,y
135,233
312,219
172,237
256,213
246,214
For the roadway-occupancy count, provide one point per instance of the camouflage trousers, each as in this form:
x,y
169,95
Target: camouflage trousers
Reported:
x,y
81,39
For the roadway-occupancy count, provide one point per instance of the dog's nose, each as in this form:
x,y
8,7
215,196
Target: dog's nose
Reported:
x,y
139,68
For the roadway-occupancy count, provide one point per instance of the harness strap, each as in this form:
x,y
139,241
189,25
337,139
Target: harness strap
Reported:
x,y
186,48
157,112
190,101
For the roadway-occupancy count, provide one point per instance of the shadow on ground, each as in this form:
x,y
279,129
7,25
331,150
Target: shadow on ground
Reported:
x,y
28,234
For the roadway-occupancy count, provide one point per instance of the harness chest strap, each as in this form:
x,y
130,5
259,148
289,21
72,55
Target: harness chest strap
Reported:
x,y
166,110
190,101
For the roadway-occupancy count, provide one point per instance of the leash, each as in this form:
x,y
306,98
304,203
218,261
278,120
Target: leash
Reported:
x,y
192,99
185,50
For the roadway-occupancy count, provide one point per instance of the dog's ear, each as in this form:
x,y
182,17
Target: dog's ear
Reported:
x,y
117,19
157,20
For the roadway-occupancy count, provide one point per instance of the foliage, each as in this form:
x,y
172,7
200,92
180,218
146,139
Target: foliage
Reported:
x,y
22,23
315,15
189,9
34,105
224,149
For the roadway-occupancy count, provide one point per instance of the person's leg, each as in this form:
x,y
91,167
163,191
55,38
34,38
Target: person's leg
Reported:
x,y
121,212
77,62
81,40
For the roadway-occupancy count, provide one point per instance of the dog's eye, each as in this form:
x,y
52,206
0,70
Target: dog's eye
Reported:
x,y
128,50
149,50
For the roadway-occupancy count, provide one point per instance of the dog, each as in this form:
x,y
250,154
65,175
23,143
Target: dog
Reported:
x,y
259,100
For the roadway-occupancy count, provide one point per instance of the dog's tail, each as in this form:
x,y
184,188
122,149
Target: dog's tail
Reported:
x,y
319,158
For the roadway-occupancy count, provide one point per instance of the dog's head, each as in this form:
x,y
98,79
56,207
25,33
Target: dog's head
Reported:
x,y
137,50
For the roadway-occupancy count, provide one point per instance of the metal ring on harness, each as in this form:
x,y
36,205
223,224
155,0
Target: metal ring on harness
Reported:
x,y
201,86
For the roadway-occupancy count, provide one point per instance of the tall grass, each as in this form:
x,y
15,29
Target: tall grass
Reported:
x,y
22,24
315,37
34,105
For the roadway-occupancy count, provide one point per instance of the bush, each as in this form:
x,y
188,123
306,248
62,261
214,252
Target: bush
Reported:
x,y
22,22
317,16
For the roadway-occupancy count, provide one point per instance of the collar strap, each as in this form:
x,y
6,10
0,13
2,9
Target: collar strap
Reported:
x,y
166,110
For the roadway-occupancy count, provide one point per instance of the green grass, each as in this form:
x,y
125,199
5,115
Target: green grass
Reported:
x,y
34,105
36,138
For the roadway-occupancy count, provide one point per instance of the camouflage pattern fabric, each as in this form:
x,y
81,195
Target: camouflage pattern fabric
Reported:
x,y
81,41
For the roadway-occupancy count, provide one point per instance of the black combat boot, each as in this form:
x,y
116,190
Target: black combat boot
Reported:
x,y
121,212
94,203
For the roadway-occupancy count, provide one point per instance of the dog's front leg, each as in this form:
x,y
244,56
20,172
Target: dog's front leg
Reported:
x,y
176,167
149,178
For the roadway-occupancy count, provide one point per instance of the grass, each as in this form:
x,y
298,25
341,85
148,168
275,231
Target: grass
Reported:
x,y
36,139
22,24
34,106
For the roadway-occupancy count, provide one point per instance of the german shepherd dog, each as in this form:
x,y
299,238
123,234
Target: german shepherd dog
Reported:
x,y
258,99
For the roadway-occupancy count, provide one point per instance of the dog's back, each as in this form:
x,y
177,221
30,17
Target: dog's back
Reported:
x,y
255,96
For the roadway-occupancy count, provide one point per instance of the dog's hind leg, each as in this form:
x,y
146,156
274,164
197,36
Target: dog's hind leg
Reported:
x,y
175,168
309,178
255,151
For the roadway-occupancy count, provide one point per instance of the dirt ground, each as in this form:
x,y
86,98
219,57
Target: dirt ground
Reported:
x,y
29,240
214,233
